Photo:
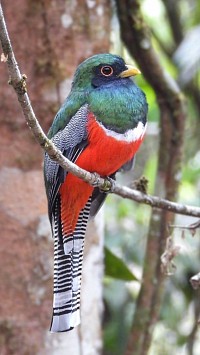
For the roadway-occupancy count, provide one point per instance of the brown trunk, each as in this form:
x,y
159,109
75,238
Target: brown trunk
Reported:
x,y
137,38
49,39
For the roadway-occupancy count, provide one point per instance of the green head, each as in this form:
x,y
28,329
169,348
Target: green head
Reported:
x,y
103,81
100,70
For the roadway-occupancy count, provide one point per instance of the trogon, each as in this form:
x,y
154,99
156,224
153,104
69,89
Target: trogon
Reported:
x,y
99,127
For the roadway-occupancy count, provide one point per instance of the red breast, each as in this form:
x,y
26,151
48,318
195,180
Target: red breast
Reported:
x,y
104,155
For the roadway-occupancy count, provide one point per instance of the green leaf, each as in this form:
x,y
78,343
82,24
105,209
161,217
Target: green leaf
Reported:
x,y
116,268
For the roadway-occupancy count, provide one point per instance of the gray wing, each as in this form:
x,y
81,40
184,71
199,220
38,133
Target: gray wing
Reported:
x,y
70,141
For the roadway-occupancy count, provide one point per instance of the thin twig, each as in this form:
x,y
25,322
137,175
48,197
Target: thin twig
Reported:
x,y
18,81
171,251
191,227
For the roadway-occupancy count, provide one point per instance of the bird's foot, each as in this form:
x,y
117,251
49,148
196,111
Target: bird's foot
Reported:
x,y
96,181
108,185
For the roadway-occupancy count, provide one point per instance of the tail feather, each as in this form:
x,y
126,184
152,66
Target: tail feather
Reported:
x,y
68,258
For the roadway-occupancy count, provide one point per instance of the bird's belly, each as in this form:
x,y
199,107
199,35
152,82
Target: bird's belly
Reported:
x,y
107,157
105,154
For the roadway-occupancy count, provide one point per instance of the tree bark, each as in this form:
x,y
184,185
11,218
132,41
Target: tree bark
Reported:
x,y
50,41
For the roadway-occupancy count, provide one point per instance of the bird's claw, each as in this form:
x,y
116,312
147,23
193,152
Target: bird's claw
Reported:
x,y
96,181
108,185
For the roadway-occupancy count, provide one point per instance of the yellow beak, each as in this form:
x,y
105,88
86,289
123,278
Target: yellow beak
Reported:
x,y
131,71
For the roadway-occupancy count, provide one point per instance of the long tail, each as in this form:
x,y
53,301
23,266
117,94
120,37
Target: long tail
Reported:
x,y
68,258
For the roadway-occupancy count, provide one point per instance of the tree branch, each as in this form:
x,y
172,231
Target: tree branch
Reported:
x,y
171,105
137,38
173,13
18,81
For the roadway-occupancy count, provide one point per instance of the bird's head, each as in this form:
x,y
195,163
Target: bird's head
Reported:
x,y
103,82
100,70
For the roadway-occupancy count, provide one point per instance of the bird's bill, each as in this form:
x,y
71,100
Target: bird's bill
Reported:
x,y
130,71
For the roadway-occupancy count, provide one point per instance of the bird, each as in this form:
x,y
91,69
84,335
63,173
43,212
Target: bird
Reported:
x,y
99,127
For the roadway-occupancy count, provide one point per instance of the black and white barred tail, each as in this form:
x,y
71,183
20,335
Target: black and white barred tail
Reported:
x,y
68,258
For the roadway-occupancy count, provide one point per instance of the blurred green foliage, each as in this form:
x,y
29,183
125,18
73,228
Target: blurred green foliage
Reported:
x,y
127,222
116,268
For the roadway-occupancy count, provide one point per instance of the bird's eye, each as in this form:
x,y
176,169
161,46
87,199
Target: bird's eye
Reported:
x,y
107,70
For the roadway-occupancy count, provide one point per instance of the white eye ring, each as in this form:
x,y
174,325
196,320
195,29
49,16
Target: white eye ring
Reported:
x,y
106,70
